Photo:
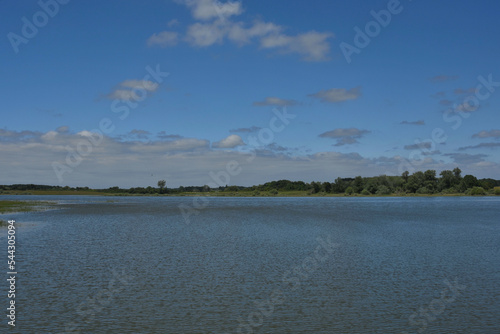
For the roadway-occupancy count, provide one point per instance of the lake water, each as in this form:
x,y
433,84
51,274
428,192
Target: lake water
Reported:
x,y
257,265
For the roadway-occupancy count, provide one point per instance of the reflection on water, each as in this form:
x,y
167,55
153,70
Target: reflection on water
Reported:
x,y
262,265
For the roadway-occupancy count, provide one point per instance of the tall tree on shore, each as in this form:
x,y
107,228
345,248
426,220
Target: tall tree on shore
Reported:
x,y
161,185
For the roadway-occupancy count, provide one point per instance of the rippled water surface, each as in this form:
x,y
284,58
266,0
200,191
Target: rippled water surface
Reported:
x,y
261,265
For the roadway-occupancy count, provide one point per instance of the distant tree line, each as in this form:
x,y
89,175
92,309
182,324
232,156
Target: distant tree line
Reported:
x,y
428,182
448,182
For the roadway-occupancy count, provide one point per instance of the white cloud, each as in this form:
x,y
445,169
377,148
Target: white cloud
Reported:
x,y
487,134
205,34
335,95
275,101
345,136
241,35
230,141
216,26
210,9
128,90
173,23
313,46
51,135
163,39
150,86
123,94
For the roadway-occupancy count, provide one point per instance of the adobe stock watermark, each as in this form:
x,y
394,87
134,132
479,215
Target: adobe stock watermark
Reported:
x,y
425,315
87,310
455,115
221,178
92,139
291,281
30,27
372,29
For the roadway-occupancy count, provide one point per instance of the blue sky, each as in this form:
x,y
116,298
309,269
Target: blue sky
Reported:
x,y
126,93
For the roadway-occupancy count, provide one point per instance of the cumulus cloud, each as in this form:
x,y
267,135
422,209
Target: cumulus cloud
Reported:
x,y
312,45
465,158
210,9
164,135
426,145
275,101
173,23
239,34
478,146
230,141
345,136
139,134
336,95
217,25
487,134
129,90
466,107
419,122
206,34
163,39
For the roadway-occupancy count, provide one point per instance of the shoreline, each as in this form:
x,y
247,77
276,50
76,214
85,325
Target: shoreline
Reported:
x,y
228,194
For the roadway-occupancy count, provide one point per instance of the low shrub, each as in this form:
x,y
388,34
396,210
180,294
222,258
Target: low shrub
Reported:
x,y
475,191
423,191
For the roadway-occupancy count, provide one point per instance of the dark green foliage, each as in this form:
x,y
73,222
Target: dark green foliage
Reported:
x,y
327,187
365,192
475,191
349,191
339,186
383,190
358,184
468,182
424,191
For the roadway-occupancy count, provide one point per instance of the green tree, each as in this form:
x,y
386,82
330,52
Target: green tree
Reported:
x,y
327,187
358,184
469,181
161,185
447,180
383,190
415,182
338,186
372,185
316,187
405,175
430,182
349,191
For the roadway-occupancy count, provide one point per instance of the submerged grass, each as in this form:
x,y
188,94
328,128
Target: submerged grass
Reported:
x,y
23,206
